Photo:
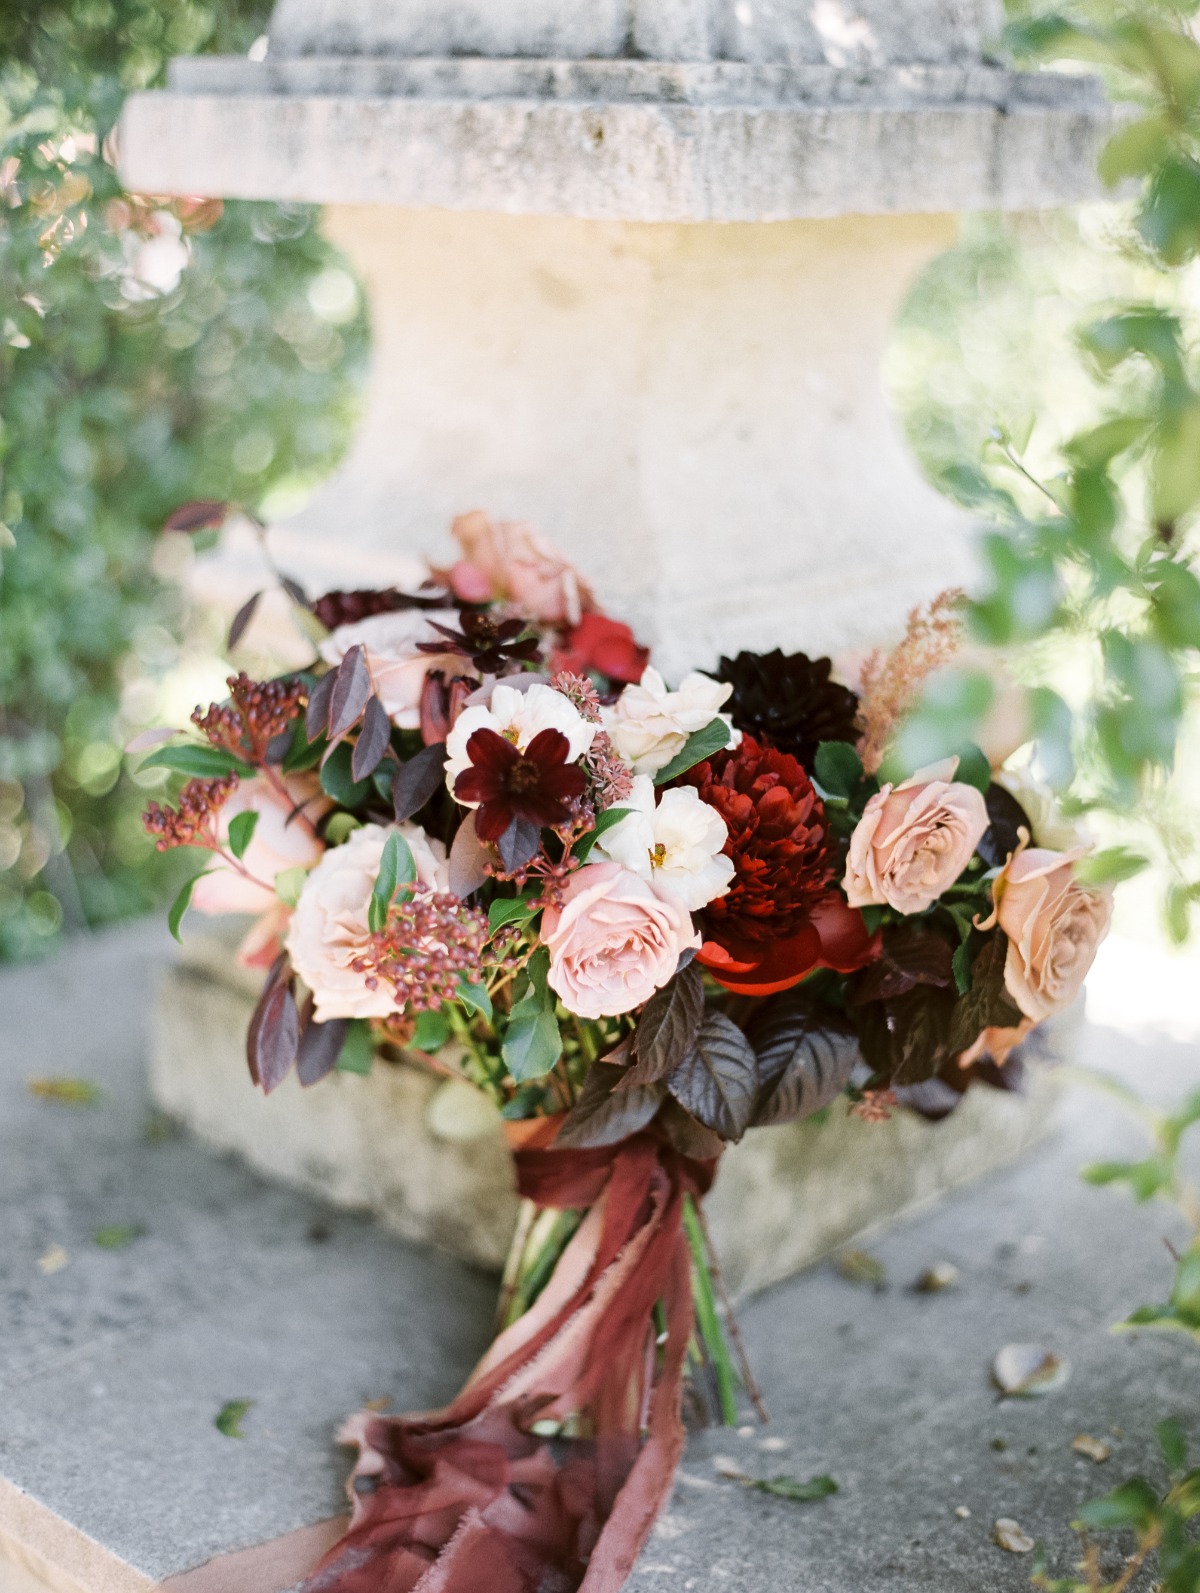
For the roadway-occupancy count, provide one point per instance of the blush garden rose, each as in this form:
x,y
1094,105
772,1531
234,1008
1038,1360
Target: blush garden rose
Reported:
x,y
914,840
614,941
1054,927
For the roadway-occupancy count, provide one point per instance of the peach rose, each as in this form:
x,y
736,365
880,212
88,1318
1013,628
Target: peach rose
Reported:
x,y
398,670
284,837
999,1044
913,841
613,942
330,926
509,560
1054,927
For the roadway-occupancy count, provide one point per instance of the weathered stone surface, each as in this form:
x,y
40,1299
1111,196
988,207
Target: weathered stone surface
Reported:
x,y
113,1368
785,1196
666,30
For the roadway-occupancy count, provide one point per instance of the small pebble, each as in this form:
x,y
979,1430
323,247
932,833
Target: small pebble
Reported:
x,y
1007,1534
745,1432
726,1466
773,1446
1093,1448
962,1512
54,1260
1025,1371
944,1275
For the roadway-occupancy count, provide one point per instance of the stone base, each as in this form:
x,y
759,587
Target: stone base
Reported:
x,y
784,1197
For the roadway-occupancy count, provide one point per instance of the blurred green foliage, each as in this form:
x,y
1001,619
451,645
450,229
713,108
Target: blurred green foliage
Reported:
x,y
151,352
1091,509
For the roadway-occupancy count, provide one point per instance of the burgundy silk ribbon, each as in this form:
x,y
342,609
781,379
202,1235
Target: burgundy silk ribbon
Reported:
x,y
470,1499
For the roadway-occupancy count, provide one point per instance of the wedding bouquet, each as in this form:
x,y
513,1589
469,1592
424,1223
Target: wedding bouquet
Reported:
x,y
481,834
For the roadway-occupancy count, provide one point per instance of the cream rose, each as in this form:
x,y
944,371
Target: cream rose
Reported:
x,y
285,837
614,941
398,669
330,928
1054,927
914,840
650,725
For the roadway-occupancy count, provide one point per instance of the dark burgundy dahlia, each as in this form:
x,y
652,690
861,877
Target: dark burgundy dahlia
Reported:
x,y
538,785
788,701
782,916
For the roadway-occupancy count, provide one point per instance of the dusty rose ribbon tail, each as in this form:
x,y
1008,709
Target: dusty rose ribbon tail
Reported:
x,y
472,1499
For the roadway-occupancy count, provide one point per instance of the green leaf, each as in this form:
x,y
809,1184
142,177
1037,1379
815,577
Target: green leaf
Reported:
x,y
838,768
1133,1504
793,1488
181,904
118,1236
337,778
961,964
196,762
341,827
1172,1440
604,821
397,867
1135,149
431,1033
289,884
474,997
701,744
532,1043
973,768
241,831
228,1419
509,910
1185,1292
1110,867
358,1049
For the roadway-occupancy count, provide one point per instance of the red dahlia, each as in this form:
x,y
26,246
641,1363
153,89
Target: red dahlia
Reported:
x,y
782,916
537,784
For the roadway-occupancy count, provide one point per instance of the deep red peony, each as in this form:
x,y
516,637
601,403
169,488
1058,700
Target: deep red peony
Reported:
x,y
782,916
537,784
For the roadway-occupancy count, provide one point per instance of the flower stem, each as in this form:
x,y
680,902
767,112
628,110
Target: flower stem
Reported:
x,y
707,1321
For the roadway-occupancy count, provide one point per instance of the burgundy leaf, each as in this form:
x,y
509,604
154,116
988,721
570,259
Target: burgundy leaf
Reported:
x,y
604,1114
320,1046
351,693
276,1037
205,514
807,1053
280,973
418,780
242,619
295,591
469,858
686,1134
667,1028
374,739
278,748
316,720
717,1082
910,957
519,845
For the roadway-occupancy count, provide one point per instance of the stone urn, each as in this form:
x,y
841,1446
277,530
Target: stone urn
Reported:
x,y
632,266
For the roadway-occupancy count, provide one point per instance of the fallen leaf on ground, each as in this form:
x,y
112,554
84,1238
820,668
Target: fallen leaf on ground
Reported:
x,y
793,1488
1026,1371
944,1275
378,1404
1094,1448
55,1259
1007,1534
118,1236
856,1266
228,1419
67,1092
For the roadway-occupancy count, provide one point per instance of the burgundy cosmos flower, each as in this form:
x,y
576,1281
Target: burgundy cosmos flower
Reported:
x,y
537,784
782,916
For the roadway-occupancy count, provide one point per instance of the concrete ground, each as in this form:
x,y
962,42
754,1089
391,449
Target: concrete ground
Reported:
x,y
114,1362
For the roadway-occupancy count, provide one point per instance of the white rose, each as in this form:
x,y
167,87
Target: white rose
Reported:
x,y
330,927
398,669
650,725
518,716
1048,826
678,844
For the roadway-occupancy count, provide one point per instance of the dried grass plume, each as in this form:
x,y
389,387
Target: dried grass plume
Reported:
x,y
891,681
